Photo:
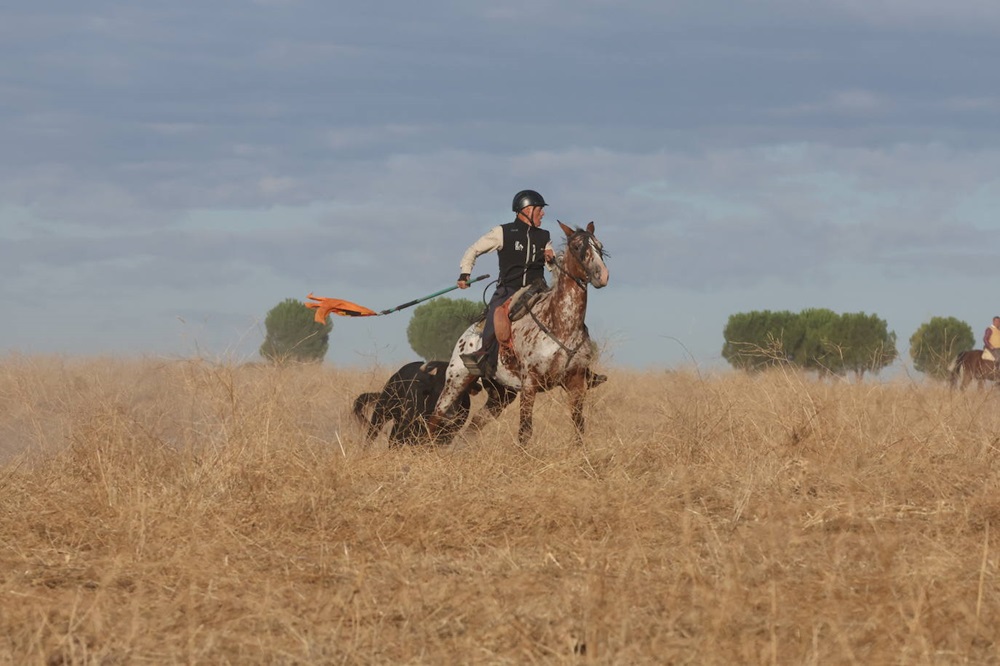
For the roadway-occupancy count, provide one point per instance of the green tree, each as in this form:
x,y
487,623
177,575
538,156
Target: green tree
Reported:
x,y
814,339
937,342
761,338
293,334
436,326
814,351
862,343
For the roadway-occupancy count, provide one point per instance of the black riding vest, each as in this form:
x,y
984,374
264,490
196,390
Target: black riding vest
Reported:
x,y
522,257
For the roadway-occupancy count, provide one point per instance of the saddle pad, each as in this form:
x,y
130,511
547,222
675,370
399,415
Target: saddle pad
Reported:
x,y
515,307
520,303
501,323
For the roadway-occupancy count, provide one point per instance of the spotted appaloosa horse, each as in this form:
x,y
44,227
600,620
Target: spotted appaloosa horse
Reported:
x,y
970,365
549,346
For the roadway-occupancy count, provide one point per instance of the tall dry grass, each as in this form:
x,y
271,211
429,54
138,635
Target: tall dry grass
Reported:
x,y
186,511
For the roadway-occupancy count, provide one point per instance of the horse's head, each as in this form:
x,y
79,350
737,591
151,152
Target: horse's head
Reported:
x,y
585,256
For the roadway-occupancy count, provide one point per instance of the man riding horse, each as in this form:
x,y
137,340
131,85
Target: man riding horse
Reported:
x,y
523,249
991,341
544,341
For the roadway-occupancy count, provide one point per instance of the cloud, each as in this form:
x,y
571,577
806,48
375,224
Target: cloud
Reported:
x,y
180,154
966,15
772,211
851,102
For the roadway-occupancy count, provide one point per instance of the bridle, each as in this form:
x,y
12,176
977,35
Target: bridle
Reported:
x,y
590,242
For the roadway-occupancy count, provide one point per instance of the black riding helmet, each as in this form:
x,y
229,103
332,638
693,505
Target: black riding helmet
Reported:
x,y
526,198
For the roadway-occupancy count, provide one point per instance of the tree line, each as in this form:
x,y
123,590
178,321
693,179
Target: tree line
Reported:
x,y
815,339
833,343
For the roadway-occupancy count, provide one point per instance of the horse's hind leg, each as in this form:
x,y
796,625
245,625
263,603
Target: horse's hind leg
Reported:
x,y
457,381
964,376
528,391
379,418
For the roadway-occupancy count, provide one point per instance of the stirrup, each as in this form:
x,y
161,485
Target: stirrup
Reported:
x,y
472,362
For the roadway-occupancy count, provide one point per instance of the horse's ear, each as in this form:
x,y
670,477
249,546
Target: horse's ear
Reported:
x,y
590,227
566,230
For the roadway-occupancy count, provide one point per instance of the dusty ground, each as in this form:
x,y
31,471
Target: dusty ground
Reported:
x,y
185,511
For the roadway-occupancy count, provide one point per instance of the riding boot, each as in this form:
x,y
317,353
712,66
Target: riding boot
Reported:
x,y
483,361
490,360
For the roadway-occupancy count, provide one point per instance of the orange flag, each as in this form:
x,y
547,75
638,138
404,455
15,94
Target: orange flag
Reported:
x,y
326,306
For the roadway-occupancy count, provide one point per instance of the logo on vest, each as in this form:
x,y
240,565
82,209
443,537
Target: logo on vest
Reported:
x,y
518,246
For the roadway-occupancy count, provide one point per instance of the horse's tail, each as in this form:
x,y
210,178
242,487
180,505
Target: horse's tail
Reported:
x,y
363,401
956,368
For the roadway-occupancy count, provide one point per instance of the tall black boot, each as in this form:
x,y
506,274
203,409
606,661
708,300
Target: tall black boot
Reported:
x,y
483,361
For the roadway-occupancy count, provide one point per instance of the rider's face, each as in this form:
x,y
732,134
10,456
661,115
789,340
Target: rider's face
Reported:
x,y
534,214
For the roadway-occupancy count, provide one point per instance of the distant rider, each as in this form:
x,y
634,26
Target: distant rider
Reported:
x,y
991,341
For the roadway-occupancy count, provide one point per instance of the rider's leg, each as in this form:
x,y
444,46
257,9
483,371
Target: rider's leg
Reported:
x,y
485,358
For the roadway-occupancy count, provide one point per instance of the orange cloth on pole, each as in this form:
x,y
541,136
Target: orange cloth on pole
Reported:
x,y
326,306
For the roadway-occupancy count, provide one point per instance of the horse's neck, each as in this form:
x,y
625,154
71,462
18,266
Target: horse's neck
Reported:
x,y
567,305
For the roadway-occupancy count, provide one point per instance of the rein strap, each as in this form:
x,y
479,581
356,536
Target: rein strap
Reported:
x,y
545,329
579,281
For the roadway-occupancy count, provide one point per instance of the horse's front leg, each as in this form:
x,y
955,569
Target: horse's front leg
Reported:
x,y
498,397
528,391
576,387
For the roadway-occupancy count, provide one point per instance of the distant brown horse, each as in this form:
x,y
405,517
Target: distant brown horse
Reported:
x,y
970,365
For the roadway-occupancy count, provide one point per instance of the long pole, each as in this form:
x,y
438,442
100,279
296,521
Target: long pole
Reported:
x,y
430,296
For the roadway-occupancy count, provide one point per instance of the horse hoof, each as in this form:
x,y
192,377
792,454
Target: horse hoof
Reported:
x,y
597,380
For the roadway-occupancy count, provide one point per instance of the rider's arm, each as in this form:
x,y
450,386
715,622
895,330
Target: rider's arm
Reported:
x,y
550,254
492,240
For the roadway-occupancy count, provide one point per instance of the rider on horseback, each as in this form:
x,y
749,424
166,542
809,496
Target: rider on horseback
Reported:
x,y
991,341
523,249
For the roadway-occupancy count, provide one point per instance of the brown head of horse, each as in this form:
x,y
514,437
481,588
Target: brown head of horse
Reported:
x,y
548,347
970,365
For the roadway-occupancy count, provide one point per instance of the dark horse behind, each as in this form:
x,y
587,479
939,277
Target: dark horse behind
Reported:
x,y
970,365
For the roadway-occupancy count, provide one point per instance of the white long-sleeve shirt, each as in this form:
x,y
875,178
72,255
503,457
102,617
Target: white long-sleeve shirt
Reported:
x,y
491,241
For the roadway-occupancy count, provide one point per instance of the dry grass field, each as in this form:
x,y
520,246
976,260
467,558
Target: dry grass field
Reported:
x,y
195,512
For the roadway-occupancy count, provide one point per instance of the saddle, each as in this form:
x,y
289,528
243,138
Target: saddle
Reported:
x,y
515,308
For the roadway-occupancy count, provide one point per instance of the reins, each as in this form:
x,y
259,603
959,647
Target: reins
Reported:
x,y
545,329
581,282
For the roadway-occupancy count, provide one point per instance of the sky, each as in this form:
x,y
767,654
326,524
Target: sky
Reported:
x,y
169,172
